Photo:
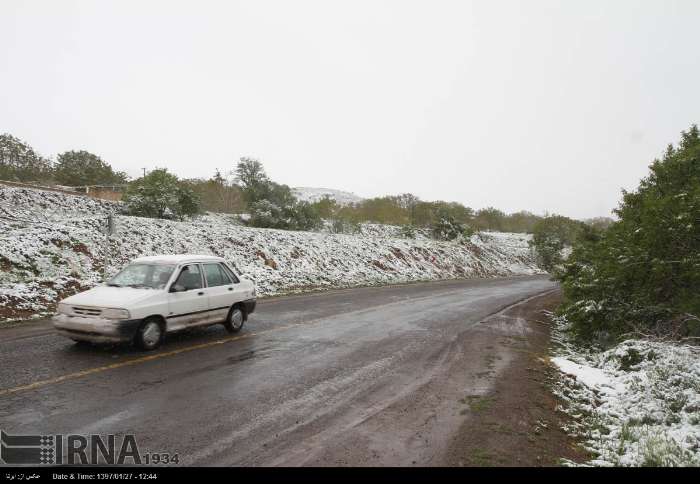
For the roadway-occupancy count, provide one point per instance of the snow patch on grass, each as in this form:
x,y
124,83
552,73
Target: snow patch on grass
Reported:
x,y
594,378
637,404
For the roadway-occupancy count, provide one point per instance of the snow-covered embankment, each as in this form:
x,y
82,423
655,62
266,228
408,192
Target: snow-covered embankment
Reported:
x,y
52,245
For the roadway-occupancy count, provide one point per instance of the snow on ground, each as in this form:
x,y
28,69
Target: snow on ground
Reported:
x,y
53,245
593,378
311,194
635,404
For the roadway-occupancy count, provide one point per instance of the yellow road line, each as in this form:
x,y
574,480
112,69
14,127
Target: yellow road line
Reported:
x,y
157,356
143,359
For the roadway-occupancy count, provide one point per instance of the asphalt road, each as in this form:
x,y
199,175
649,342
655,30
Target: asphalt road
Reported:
x,y
368,376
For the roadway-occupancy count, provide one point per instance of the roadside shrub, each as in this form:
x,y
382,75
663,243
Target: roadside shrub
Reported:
x,y
642,274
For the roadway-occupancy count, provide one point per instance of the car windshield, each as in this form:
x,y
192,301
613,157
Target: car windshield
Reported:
x,y
152,276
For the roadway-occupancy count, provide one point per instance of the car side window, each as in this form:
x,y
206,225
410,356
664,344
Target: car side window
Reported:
x,y
215,276
229,273
190,277
224,275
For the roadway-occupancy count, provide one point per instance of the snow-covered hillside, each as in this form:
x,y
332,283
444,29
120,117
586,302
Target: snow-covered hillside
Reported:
x,y
310,194
53,245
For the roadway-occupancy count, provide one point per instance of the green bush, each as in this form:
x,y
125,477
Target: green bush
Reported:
x,y
161,195
77,168
447,228
643,273
342,226
551,235
408,231
296,216
272,205
19,162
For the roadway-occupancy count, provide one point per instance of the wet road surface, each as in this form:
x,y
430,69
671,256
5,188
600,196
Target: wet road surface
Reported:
x,y
368,376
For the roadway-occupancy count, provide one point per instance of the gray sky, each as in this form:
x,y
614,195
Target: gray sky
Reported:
x,y
535,105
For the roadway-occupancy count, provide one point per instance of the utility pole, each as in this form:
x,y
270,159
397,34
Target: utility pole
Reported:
x,y
144,172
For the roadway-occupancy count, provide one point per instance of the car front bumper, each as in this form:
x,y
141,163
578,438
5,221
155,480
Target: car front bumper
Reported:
x,y
95,330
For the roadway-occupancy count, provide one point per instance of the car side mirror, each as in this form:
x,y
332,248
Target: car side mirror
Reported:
x,y
177,288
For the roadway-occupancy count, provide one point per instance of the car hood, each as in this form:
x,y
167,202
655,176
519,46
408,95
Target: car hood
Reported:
x,y
111,297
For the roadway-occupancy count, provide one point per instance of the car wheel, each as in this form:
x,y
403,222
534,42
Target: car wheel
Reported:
x,y
235,320
149,335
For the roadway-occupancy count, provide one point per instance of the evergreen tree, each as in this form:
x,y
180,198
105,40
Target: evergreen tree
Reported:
x,y
19,161
78,168
643,273
161,195
253,180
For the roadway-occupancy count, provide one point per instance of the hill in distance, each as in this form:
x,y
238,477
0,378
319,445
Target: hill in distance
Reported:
x,y
312,194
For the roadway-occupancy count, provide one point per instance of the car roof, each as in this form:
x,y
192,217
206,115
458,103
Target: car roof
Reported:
x,y
178,258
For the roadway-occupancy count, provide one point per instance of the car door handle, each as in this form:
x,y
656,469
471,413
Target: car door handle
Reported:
x,y
230,289
200,294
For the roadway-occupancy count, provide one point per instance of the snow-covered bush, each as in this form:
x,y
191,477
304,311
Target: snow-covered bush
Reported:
x,y
297,216
636,404
447,228
408,231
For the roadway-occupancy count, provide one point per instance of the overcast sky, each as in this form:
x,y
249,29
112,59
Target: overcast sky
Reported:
x,y
530,105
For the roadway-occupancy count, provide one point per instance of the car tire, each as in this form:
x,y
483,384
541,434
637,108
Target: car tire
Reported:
x,y
149,336
235,320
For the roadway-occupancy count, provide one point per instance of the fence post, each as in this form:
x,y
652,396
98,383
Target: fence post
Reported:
x,y
110,231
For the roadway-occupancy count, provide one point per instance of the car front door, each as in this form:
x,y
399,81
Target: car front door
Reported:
x,y
187,301
220,291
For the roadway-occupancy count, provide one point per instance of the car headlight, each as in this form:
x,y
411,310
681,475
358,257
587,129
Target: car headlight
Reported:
x,y
116,314
63,308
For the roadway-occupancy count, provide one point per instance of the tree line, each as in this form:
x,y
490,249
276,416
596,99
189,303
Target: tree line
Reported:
x,y
20,162
247,189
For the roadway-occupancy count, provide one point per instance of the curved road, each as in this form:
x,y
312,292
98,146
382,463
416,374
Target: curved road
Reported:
x,y
368,376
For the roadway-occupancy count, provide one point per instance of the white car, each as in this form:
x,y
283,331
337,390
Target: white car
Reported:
x,y
156,295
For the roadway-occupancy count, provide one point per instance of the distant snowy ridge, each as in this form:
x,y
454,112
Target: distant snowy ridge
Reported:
x,y
310,194
52,245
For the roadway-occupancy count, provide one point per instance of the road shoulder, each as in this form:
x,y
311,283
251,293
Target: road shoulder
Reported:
x,y
516,423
